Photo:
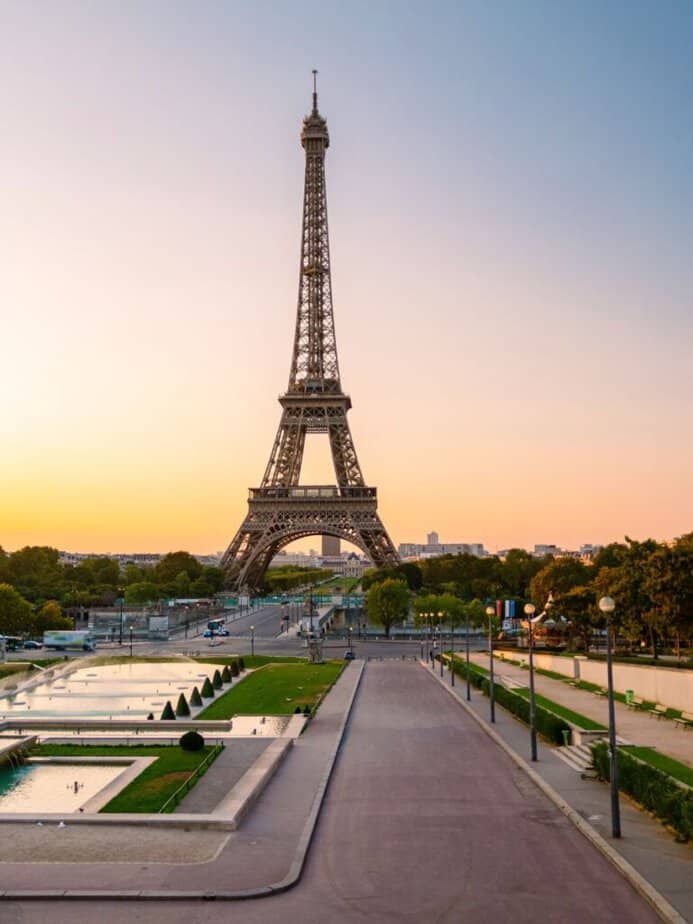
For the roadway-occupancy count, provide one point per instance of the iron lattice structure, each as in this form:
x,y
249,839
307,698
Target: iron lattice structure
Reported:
x,y
281,510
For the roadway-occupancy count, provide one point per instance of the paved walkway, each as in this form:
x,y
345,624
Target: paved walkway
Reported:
x,y
635,727
645,843
239,755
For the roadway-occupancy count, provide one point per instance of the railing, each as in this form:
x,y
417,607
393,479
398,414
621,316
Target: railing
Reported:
x,y
313,492
185,787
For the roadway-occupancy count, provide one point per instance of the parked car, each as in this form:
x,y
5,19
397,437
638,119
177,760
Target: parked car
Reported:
x,y
348,655
30,643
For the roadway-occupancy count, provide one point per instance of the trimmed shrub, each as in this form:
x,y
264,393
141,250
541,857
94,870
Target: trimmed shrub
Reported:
x,y
216,681
150,717
241,664
226,674
195,698
306,710
654,789
207,689
235,671
550,726
192,741
168,712
182,707
297,710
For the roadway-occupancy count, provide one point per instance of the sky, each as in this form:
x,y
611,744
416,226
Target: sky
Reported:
x,y
511,217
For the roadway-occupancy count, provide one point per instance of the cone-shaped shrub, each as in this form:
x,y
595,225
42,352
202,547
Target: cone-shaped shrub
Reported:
x,y
241,664
297,710
168,712
306,710
234,668
150,717
216,681
195,698
226,674
207,689
182,707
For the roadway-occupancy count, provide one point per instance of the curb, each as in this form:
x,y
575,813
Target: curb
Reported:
x,y
288,882
645,889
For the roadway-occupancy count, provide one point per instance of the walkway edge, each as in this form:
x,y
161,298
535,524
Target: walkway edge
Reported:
x,y
289,881
645,889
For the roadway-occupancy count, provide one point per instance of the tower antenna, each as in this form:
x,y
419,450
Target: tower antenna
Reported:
x,y
315,91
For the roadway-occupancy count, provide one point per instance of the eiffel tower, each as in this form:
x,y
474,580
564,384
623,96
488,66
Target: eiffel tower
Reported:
x,y
281,510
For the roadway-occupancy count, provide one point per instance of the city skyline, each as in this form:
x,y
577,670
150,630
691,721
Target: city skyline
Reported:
x,y
509,202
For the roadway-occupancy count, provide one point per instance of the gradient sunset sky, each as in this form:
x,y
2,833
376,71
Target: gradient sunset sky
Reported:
x,y
511,214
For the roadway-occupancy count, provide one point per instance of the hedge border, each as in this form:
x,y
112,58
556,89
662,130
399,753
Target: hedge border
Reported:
x,y
549,725
657,791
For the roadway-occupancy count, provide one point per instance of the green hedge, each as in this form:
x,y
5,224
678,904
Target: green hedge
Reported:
x,y
549,726
653,789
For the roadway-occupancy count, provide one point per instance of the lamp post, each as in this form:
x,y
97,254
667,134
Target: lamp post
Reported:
x,y
607,606
131,628
530,610
490,612
120,597
452,649
252,641
440,640
469,685
351,629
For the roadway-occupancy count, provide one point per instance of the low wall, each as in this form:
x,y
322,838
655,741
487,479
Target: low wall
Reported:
x,y
667,685
670,686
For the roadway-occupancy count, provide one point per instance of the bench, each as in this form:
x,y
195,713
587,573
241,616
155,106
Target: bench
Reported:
x,y
659,710
685,720
636,703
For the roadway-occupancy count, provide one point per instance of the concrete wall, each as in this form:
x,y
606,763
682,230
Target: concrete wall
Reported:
x,y
672,687
665,685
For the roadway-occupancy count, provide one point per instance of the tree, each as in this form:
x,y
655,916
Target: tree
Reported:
x,y
635,614
171,565
388,602
144,592
557,578
669,584
36,573
15,612
49,617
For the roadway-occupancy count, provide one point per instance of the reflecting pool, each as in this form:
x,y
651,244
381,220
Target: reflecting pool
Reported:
x,y
53,787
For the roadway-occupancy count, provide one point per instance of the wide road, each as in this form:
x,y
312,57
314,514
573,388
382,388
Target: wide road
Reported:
x,y
425,820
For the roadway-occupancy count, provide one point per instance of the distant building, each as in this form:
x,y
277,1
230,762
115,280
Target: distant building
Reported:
x,y
432,549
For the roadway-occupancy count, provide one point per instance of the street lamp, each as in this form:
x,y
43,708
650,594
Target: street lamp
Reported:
x,y
469,685
529,611
252,640
490,612
452,649
607,606
131,628
120,597
351,629
440,640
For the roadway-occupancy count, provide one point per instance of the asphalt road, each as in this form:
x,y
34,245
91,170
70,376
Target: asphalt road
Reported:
x,y
425,820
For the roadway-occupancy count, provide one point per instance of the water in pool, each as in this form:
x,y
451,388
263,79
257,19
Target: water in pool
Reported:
x,y
52,787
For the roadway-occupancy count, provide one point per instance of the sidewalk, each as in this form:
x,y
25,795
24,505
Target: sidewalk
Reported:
x,y
635,727
645,842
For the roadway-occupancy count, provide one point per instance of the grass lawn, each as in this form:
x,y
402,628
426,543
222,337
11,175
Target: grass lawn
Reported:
x,y
153,786
251,660
276,689
661,762
574,717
